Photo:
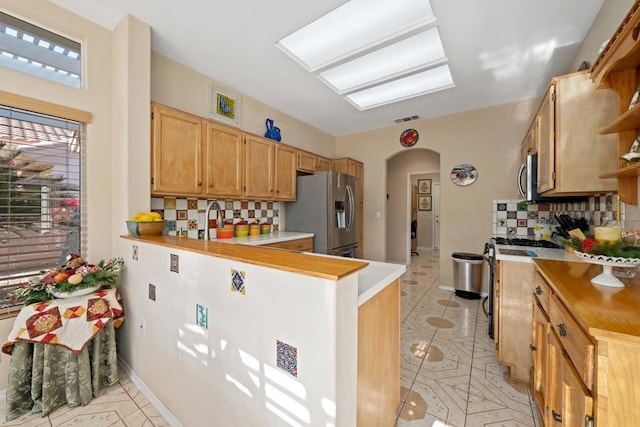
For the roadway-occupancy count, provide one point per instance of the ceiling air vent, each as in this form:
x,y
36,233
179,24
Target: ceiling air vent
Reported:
x,y
406,119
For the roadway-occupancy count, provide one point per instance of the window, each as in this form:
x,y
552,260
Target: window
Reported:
x,y
28,48
40,194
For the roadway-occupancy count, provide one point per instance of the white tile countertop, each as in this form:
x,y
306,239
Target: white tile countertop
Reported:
x,y
264,239
541,253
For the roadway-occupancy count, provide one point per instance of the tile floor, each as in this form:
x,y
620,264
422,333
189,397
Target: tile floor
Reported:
x,y
119,405
450,375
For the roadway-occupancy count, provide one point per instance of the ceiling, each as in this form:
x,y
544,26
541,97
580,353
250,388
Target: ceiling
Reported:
x,y
499,51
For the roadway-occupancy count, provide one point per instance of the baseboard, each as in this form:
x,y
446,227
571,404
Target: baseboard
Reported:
x,y
162,410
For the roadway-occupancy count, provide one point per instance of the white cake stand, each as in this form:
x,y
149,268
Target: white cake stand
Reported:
x,y
606,278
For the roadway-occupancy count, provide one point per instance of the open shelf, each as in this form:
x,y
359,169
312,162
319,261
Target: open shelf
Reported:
x,y
629,120
632,170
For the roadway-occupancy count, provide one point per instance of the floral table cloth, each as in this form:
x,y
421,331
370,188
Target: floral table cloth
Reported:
x,y
63,351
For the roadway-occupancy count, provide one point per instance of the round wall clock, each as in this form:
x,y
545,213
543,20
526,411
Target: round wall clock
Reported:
x,y
409,137
464,174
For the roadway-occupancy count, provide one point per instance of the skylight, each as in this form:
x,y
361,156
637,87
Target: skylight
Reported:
x,y
374,52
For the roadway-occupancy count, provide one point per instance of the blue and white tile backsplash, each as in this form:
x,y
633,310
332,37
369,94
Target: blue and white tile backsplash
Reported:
x,y
516,218
186,215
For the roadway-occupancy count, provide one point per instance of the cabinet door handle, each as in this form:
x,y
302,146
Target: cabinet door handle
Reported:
x,y
562,330
556,417
538,290
199,184
532,347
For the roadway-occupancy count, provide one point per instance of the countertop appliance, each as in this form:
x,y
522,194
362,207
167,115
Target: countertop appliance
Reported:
x,y
528,184
326,206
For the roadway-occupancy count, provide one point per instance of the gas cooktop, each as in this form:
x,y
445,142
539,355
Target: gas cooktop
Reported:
x,y
519,241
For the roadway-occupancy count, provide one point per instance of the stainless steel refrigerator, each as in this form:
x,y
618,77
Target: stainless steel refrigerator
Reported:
x,y
326,206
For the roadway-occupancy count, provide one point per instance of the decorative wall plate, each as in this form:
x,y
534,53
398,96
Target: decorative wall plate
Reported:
x,y
409,137
464,174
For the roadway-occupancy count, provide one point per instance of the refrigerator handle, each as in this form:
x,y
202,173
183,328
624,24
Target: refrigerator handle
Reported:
x,y
351,207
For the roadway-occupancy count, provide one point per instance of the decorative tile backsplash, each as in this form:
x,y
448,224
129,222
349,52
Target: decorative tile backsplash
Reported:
x,y
513,218
186,215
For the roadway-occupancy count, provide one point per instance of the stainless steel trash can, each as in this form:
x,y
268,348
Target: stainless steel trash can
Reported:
x,y
467,274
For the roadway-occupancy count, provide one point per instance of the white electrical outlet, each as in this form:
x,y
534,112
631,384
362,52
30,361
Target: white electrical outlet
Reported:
x,y
142,326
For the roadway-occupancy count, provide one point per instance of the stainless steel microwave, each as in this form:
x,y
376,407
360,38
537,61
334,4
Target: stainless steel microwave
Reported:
x,y
528,184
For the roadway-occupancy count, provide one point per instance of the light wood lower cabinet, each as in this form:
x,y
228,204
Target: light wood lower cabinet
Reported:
x,y
512,313
379,358
302,245
586,349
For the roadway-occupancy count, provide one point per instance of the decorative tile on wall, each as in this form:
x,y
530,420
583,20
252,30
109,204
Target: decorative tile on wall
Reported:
x,y
287,357
202,316
173,263
237,281
186,216
516,218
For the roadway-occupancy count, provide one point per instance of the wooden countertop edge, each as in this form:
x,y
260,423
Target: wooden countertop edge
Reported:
x,y
291,261
593,327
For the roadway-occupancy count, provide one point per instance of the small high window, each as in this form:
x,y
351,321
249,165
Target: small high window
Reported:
x,y
28,48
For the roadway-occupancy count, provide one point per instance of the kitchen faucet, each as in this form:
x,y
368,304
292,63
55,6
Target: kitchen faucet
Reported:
x,y
212,205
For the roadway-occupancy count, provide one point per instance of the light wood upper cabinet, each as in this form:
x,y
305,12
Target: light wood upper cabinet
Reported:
x,y
324,164
571,152
259,163
531,140
306,162
285,172
223,151
270,169
176,152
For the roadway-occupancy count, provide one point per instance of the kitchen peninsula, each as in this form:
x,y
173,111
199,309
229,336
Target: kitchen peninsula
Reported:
x,y
261,336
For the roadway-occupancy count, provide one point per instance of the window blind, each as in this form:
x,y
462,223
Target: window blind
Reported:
x,y
41,221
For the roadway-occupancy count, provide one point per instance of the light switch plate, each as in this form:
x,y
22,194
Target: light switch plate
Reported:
x,y
134,252
152,292
202,316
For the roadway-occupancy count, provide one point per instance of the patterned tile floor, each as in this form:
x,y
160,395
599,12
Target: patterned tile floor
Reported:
x,y
119,405
450,376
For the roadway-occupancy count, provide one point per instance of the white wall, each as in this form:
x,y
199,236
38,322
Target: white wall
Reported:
x,y
227,371
180,87
488,138
94,98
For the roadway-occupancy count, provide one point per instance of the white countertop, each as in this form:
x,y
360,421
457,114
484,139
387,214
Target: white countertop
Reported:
x,y
541,253
371,280
374,277
264,239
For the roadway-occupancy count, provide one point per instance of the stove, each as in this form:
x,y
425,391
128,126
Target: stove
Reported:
x,y
519,241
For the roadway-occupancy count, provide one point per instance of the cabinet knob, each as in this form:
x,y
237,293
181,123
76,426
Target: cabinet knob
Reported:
x,y
532,347
538,290
199,184
562,330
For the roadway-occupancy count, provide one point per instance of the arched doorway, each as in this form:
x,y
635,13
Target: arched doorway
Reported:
x,y
400,169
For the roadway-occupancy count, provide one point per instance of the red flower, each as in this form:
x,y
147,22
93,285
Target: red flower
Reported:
x,y
587,245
